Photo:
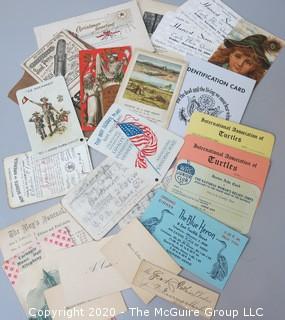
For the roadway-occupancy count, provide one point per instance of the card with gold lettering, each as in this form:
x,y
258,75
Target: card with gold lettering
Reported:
x,y
232,134
197,242
175,288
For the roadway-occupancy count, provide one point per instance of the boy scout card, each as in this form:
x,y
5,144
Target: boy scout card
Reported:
x,y
227,199
211,90
101,73
151,86
129,138
239,164
32,177
175,289
196,241
58,57
232,134
49,115
106,196
120,25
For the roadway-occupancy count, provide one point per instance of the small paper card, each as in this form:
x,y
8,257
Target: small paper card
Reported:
x,y
211,90
229,200
119,25
175,289
49,115
126,250
32,177
151,86
101,200
35,229
196,241
59,56
231,134
239,164
104,308
101,73
132,140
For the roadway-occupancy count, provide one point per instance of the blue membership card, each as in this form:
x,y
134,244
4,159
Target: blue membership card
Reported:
x,y
200,244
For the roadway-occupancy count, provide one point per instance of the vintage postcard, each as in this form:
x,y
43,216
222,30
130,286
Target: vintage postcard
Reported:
x,y
232,134
151,86
227,199
129,138
239,164
26,233
248,50
49,115
101,73
101,200
152,13
115,26
104,308
86,280
58,57
126,250
138,210
211,90
197,242
32,178
175,289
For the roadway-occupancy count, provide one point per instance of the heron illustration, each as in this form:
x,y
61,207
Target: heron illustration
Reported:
x,y
220,267
151,223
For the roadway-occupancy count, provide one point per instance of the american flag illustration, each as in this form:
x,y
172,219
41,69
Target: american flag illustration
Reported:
x,y
142,137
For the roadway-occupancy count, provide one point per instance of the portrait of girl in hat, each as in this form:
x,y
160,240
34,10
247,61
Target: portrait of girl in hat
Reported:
x,y
248,57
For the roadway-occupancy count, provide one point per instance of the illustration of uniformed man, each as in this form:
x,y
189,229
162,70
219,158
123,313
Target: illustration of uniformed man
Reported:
x,y
38,120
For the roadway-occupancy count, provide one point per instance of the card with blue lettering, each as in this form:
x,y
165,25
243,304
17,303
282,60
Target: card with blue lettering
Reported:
x,y
197,242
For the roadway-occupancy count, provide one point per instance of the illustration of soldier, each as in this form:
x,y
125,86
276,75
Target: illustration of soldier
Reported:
x,y
38,120
48,111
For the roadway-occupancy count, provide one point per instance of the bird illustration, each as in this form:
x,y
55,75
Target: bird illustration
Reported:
x,y
151,223
220,267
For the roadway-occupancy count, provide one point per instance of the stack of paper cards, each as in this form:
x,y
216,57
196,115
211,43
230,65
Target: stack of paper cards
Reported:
x,y
222,168
197,242
212,90
59,157
212,31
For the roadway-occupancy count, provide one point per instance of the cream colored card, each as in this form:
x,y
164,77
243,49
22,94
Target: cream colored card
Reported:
x,y
100,309
231,134
25,233
175,289
151,86
32,177
101,200
116,26
129,247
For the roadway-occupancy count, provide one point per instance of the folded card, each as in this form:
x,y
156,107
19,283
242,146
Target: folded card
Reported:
x,y
120,25
101,73
232,134
175,289
127,137
151,86
211,90
101,200
49,115
196,241
126,250
32,177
